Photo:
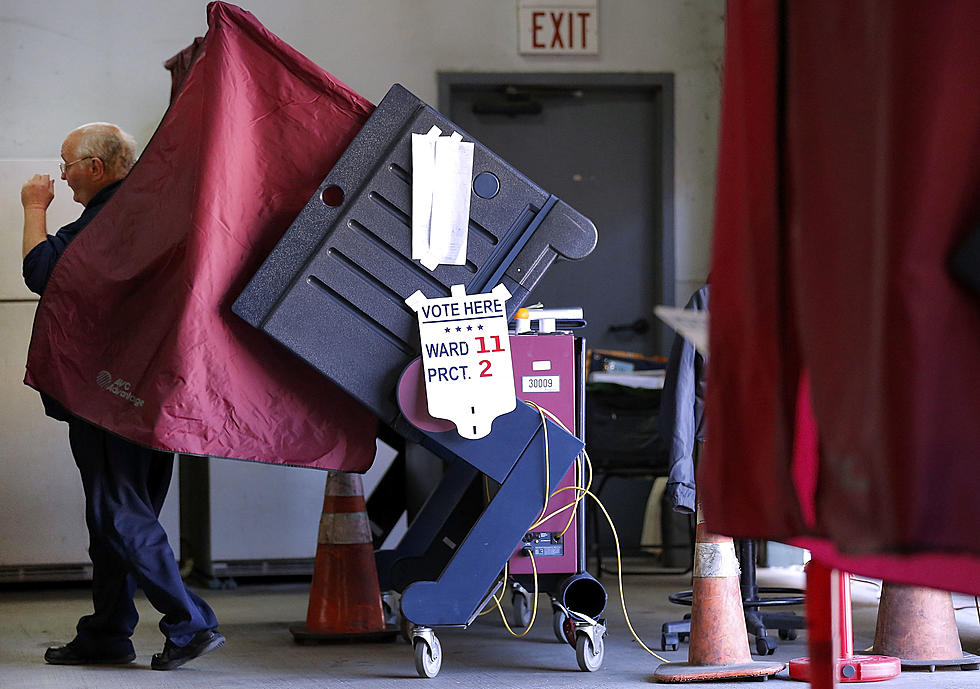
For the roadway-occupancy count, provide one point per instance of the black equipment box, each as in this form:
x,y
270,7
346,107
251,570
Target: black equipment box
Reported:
x,y
333,289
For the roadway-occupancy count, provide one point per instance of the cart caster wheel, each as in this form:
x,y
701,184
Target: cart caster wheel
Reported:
x,y
520,614
558,625
765,645
588,654
668,642
428,659
787,634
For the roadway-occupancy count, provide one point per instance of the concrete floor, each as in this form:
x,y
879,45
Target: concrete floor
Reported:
x,y
261,653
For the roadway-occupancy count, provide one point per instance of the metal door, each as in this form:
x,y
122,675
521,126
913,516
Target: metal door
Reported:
x,y
603,144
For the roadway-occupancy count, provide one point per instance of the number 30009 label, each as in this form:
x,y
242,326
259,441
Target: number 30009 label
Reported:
x,y
540,384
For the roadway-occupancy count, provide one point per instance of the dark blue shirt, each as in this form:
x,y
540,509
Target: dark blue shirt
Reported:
x,y
40,260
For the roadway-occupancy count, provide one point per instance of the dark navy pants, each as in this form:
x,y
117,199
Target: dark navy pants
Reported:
x,y
125,485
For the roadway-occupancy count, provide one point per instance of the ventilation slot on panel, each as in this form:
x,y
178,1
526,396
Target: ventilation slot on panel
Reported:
x,y
360,315
394,210
416,267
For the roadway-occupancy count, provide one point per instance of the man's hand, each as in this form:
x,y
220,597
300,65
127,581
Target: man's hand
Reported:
x,y
36,195
37,192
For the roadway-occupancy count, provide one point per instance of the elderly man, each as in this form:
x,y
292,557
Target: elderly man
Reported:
x,y
125,484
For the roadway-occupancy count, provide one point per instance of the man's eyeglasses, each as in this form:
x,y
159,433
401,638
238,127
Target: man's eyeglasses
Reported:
x,y
65,166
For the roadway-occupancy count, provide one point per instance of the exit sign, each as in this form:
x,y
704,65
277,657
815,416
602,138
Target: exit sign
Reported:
x,y
558,27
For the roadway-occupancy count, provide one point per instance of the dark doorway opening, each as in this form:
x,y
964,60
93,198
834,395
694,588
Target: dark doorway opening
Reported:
x,y
603,143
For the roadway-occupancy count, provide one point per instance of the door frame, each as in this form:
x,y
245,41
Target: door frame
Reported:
x,y
661,84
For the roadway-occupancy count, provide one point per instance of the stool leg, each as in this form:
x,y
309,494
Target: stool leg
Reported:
x,y
594,511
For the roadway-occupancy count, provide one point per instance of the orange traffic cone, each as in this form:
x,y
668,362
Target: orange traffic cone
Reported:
x,y
719,646
917,625
345,599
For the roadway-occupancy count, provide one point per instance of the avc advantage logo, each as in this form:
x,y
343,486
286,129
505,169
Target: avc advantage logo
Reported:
x,y
119,387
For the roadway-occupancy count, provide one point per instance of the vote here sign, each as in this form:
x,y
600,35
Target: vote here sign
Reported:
x,y
467,369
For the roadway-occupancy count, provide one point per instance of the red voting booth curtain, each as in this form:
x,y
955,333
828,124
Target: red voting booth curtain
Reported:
x,y
135,331
849,170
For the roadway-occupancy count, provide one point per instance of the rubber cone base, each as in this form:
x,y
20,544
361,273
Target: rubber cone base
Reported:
x,y
917,625
857,668
675,673
307,638
967,662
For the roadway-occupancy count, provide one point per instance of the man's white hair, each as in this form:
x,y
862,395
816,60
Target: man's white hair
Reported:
x,y
110,144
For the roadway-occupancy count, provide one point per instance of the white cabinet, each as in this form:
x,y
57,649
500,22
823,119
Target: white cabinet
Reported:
x,y
42,509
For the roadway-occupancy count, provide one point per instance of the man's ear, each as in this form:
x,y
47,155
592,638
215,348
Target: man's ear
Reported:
x,y
98,167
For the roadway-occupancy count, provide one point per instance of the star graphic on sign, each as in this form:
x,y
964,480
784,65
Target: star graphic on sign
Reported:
x,y
447,330
468,328
459,329
479,327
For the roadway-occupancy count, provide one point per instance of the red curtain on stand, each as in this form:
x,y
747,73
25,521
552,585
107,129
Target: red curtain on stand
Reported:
x,y
849,170
135,331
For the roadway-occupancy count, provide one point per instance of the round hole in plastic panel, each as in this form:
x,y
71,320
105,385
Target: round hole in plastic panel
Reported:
x,y
332,196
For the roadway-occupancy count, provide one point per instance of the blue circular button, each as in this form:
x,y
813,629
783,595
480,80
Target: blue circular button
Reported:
x,y
486,185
